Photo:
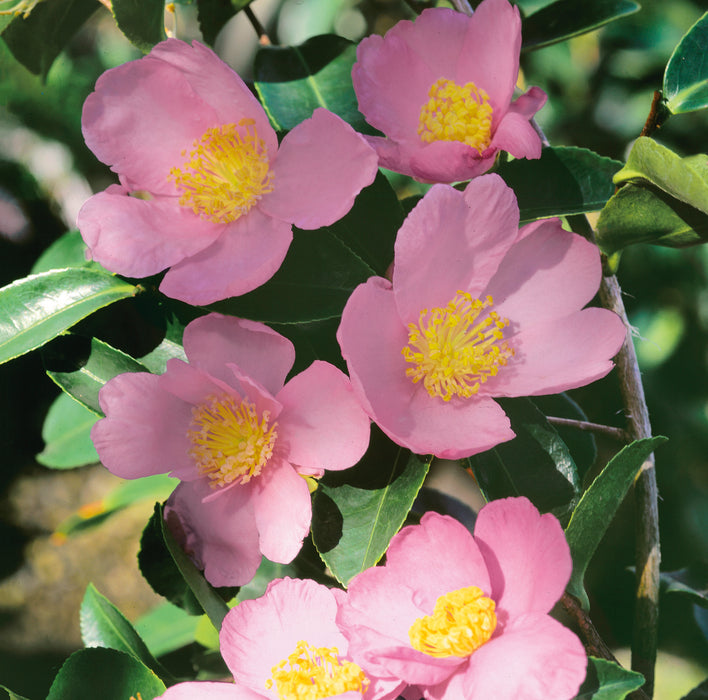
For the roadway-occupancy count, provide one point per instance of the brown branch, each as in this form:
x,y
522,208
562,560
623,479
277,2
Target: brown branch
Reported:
x,y
612,432
263,38
656,115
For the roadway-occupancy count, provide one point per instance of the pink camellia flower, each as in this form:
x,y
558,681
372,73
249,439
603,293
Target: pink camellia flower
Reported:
x,y
287,646
441,89
465,617
239,438
205,189
477,309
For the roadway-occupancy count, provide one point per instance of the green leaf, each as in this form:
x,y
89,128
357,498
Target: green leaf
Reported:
x,y
686,75
142,21
166,628
691,582
268,571
563,181
96,362
292,81
37,308
67,435
104,673
567,18
214,14
324,266
606,680
35,41
536,463
10,694
357,512
700,692
103,625
598,506
67,251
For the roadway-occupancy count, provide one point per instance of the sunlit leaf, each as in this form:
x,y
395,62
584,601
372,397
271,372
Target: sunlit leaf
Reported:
x,y
166,628
142,21
686,76
35,309
67,251
608,681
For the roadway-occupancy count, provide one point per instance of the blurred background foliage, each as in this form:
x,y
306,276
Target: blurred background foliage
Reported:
x,y
600,88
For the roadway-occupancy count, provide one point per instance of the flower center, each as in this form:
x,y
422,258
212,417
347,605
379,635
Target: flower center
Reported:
x,y
456,348
312,673
462,621
456,113
226,173
230,442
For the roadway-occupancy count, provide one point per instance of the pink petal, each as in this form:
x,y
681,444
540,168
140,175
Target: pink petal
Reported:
x,y
516,136
489,56
535,658
217,85
371,337
248,254
529,103
191,384
322,423
321,167
449,161
209,690
258,634
452,241
212,341
526,553
558,355
281,501
145,429
220,534
548,274
138,238
141,117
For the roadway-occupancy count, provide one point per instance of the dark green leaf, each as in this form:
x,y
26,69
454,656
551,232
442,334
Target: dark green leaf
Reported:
x,y
104,673
166,628
86,367
535,464
691,582
564,181
67,434
142,21
608,681
268,571
103,625
292,81
67,251
37,40
598,506
686,76
323,267
358,511
214,14
567,18
37,308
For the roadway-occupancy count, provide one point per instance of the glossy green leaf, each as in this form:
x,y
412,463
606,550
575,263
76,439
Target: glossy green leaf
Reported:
x,y
103,625
35,309
292,81
37,40
686,75
606,680
324,266
564,181
96,362
691,582
598,505
358,511
67,251
12,695
564,19
166,628
104,673
142,21
536,463
67,435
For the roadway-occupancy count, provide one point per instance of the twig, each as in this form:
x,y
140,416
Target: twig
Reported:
x,y
263,38
657,115
615,433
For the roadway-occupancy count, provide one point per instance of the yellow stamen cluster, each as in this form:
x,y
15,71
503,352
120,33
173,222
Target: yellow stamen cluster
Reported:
x,y
456,113
455,348
462,621
230,442
226,173
17,7
313,673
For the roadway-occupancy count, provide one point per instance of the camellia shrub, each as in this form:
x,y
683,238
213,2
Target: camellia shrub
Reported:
x,y
364,261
